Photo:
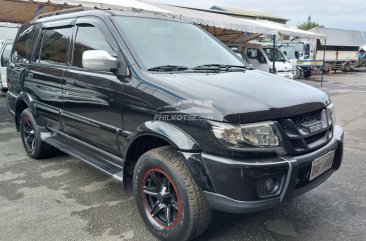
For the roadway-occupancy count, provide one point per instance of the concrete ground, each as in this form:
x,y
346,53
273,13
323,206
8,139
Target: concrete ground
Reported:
x,y
63,199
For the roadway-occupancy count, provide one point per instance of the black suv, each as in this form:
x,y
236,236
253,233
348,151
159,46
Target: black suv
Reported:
x,y
161,104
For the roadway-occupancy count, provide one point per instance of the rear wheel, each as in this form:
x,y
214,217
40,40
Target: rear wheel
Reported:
x,y
168,199
31,138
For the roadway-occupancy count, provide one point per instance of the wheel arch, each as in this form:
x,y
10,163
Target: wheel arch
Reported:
x,y
151,135
23,101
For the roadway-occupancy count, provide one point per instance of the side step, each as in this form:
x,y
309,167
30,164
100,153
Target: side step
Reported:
x,y
97,159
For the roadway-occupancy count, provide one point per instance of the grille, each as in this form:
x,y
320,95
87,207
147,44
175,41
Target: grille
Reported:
x,y
303,176
301,119
297,136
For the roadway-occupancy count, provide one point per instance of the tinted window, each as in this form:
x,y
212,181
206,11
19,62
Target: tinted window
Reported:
x,y
6,54
53,48
89,38
24,41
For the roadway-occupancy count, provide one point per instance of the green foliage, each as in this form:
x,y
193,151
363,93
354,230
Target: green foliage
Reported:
x,y
308,25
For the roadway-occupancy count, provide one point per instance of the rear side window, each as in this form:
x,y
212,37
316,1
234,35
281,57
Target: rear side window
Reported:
x,y
23,43
54,45
89,37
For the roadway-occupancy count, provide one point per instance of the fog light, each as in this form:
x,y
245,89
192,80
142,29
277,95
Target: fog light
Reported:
x,y
270,183
269,186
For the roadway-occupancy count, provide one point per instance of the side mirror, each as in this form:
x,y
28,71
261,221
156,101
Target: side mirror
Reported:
x,y
238,54
99,60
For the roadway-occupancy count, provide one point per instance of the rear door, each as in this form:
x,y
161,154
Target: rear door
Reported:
x,y
257,58
46,71
92,99
19,61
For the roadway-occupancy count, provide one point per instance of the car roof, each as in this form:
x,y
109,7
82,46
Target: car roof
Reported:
x,y
80,12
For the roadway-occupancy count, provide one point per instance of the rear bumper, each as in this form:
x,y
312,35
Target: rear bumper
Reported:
x,y
237,184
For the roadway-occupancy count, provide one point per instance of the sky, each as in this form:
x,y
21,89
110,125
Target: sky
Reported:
x,y
340,14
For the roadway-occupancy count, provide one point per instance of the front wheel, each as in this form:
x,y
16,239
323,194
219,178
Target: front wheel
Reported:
x,y
168,199
297,74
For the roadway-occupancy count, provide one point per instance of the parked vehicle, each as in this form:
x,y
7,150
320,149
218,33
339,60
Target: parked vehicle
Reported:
x,y
5,49
8,30
340,53
173,109
261,57
301,55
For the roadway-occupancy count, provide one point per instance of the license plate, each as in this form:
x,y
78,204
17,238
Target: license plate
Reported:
x,y
321,164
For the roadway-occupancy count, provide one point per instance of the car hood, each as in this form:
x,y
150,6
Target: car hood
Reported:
x,y
240,97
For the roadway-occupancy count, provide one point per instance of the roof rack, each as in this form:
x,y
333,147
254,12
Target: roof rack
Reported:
x,y
60,12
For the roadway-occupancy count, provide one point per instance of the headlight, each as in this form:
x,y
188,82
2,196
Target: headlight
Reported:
x,y
331,114
261,136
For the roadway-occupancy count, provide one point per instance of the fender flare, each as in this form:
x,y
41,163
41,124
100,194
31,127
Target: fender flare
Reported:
x,y
176,137
26,98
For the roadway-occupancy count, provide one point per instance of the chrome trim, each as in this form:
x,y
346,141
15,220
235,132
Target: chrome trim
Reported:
x,y
118,176
242,202
241,163
10,93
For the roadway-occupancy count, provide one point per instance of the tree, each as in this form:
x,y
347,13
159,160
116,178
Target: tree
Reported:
x,y
309,25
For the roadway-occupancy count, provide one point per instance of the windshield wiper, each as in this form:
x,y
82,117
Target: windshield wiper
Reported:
x,y
219,67
166,68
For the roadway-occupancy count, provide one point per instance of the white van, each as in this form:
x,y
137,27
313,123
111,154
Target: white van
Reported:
x,y
5,49
261,57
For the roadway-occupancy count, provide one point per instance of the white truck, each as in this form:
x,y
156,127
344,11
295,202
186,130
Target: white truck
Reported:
x,y
262,57
5,49
339,53
302,55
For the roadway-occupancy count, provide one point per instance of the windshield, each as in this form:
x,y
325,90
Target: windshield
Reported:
x,y
297,46
289,50
160,42
278,56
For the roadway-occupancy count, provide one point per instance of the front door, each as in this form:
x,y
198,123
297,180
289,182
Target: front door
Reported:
x,y
92,100
257,59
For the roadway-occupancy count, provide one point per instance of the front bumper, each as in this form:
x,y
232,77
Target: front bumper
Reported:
x,y
236,184
288,75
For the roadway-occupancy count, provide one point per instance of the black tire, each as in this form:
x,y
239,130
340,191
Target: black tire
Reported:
x,y
30,133
307,74
190,213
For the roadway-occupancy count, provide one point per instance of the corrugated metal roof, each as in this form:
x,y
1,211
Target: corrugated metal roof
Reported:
x,y
339,37
210,18
25,10
245,12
